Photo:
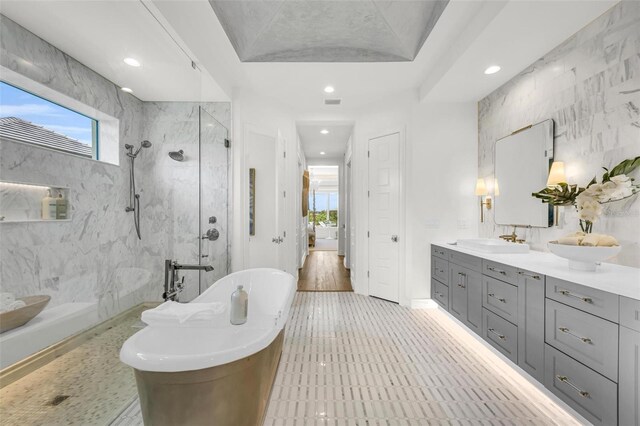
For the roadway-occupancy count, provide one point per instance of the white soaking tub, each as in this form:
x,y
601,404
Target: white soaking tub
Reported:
x,y
214,372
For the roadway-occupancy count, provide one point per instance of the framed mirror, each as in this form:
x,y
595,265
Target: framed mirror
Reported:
x,y
521,167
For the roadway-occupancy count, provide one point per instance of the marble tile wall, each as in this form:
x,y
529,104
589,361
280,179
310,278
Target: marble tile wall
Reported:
x,y
96,257
590,87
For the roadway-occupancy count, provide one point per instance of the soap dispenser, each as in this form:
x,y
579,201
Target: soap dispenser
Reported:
x,y
62,205
49,206
239,306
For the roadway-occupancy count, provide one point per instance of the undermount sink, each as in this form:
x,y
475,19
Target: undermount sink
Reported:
x,y
493,245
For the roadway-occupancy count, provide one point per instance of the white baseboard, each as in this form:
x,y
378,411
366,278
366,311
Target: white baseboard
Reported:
x,y
423,304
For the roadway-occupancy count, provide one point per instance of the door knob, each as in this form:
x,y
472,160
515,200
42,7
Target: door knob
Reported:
x,y
394,238
211,235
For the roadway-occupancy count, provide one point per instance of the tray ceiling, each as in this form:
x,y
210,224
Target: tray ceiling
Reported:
x,y
328,31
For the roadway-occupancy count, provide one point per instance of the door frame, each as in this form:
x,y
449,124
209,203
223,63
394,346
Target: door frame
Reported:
x,y
403,298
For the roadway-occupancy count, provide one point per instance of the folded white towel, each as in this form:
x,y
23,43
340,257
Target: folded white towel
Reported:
x,y
16,304
174,313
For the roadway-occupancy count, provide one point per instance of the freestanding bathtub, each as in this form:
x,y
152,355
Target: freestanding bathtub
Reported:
x,y
214,373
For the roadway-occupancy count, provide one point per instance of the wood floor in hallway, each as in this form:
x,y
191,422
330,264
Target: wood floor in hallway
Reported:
x,y
324,271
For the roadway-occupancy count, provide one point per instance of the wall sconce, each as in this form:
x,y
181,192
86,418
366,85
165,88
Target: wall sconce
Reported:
x,y
557,176
481,190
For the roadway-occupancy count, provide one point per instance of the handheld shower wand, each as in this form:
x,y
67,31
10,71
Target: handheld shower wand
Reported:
x,y
134,198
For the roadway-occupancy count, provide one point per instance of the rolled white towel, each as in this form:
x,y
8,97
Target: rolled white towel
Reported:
x,y
16,304
174,313
6,299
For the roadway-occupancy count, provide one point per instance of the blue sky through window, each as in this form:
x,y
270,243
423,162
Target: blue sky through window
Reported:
x,y
17,103
321,201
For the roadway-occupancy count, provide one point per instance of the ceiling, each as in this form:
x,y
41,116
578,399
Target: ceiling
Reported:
x,y
101,33
166,34
327,31
327,178
468,35
333,144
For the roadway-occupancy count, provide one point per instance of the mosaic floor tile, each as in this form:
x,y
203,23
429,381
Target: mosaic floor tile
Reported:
x,y
358,361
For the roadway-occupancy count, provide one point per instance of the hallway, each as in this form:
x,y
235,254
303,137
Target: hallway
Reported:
x,y
324,271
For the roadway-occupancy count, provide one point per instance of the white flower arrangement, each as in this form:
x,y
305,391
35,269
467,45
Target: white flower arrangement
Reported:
x,y
615,185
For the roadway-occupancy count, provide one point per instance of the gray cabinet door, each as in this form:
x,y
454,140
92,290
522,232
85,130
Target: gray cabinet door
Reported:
x,y
473,281
629,385
531,323
457,292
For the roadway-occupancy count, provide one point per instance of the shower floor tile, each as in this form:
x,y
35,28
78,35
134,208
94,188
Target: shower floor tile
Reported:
x,y
86,386
355,360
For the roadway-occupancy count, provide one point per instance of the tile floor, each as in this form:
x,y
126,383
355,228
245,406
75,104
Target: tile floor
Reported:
x,y
86,386
355,360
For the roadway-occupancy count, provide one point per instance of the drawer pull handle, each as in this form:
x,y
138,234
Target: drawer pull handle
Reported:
x,y
526,274
500,336
440,295
500,271
567,331
577,296
500,299
565,379
461,286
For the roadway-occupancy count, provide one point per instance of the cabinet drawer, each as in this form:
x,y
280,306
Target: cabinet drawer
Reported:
x,y
440,269
591,340
440,293
500,334
500,271
630,313
439,252
589,393
466,260
588,299
500,298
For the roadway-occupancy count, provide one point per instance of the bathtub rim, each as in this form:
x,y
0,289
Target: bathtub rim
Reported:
x,y
132,355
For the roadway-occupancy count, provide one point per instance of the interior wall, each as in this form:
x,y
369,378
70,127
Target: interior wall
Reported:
x,y
590,86
439,170
250,109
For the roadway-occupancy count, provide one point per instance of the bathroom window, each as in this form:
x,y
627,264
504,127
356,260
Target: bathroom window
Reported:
x,y
25,117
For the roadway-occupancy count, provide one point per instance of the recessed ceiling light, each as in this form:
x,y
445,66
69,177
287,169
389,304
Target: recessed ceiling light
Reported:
x,y
329,89
322,153
324,131
132,62
126,89
492,69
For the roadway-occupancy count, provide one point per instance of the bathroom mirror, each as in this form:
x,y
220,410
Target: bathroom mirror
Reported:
x,y
522,162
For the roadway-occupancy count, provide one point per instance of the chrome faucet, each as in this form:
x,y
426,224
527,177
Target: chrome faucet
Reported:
x,y
172,282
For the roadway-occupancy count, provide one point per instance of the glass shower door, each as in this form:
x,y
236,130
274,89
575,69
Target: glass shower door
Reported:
x,y
214,199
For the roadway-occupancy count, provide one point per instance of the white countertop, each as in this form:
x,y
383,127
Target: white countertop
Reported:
x,y
616,279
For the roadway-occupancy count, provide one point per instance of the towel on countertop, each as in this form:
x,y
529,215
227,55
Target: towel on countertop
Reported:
x,y
8,302
174,313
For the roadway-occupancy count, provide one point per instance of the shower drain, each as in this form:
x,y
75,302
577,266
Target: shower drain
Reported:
x,y
57,400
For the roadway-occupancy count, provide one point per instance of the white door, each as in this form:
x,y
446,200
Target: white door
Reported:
x,y
264,159
384,200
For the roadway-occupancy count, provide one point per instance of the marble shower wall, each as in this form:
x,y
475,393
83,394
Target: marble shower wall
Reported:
x,y
590,87
170,212
96,257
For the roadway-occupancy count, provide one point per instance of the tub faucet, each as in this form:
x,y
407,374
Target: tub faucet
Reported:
x,y
172,282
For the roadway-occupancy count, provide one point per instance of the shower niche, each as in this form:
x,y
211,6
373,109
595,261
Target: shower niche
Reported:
x,y
30,202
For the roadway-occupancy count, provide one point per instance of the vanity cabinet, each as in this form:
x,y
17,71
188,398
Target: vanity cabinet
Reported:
x,y
465,296
581,342
531,287
629,369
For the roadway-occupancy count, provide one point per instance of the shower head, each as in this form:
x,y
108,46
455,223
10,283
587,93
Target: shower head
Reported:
x,y
145,144
177,155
